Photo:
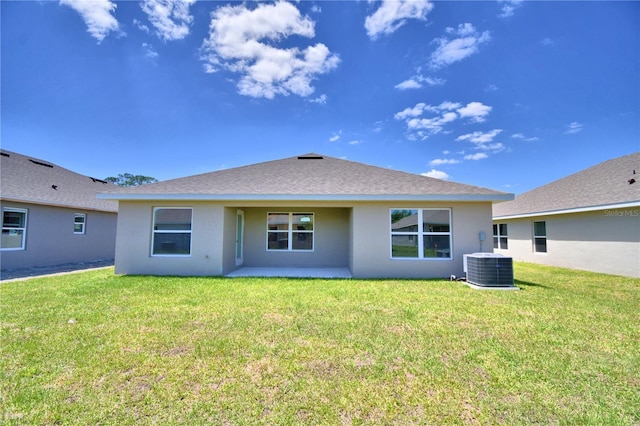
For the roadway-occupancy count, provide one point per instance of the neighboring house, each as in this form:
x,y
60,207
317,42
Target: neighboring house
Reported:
x,y
51,215
302,212
589,220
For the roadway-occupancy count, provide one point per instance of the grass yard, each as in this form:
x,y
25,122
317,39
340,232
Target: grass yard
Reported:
x,y
95,348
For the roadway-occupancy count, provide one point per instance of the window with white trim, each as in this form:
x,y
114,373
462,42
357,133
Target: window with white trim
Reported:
x,y
171,231
500,238
289,231
79,223
540,237
14,229
420,233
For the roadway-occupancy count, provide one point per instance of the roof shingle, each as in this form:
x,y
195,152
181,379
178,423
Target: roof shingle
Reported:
x,y
31,180
604,184
307,175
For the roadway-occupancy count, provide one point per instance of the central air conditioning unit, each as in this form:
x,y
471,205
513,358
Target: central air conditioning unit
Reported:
x,y
488,269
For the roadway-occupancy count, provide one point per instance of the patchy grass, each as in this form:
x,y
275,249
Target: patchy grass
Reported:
x,y
95,348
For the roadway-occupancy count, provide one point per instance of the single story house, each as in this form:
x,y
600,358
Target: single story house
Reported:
x,y
51,216
589,220
309,211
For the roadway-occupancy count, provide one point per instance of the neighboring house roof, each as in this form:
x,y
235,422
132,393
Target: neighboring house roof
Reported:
x,y
307,177
31,180
611,184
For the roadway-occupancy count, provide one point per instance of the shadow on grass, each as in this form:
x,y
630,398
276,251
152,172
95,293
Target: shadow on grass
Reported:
x,y
520,283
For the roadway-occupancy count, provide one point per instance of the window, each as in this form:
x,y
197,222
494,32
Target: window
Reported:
x,y
171,231
290,231
540,237
420,233
14,229
500,240
79,223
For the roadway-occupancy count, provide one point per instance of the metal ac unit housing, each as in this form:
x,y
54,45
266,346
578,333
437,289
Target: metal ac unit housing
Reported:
x,y
488,269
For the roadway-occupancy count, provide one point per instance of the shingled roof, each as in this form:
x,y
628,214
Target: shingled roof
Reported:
x,y
307,177
613,183
31,180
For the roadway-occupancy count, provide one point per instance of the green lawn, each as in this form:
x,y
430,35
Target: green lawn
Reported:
x,y
95,348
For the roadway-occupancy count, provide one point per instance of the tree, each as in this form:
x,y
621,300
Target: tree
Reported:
x,y
127,179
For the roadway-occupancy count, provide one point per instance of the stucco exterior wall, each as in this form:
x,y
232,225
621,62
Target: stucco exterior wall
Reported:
x,y
50,239
357,236
331,239
606,241
133,247
371,255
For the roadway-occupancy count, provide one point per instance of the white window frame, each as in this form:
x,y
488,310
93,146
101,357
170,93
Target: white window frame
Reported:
x,y
13,228
170,231
83,223
290,231
535,237
420,234
498,235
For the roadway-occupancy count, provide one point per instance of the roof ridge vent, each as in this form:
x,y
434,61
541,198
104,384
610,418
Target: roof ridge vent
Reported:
x,y
310,157
40,163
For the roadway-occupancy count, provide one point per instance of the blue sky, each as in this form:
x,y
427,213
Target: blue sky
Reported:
x,y
508,95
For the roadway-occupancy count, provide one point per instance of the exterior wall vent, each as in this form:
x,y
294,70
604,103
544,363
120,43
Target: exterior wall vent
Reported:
x,y
40,163
488,269
310,157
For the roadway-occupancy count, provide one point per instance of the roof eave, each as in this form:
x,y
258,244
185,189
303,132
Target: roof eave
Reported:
x,y
573,210
53,204
309,197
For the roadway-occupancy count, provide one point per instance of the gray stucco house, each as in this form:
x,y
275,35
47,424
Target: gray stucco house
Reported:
x,y
51,216
589,220
309,211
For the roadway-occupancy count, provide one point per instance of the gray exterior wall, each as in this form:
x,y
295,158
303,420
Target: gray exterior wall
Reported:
x,y
606,241
371,254
331,239
354,235
50,239
133,245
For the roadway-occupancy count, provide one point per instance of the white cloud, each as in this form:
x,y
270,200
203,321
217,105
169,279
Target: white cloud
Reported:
x,y
441,161
508,7
547,42
521,136
476,156
393,14
355,142
483,141
574,127
241,41
322,99
476,111
464,43
149,51
446,112
336,136
410,112
408,84
97,14
170,18
416,81
141,26
436,174
480,137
